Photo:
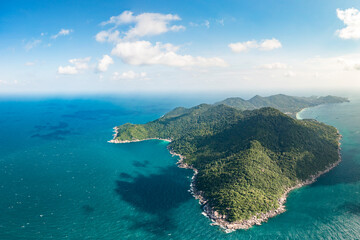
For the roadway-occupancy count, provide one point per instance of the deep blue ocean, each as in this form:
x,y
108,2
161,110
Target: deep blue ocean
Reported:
x,y
61,179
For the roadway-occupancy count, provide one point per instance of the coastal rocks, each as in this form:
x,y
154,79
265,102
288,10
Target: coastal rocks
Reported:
x,y
180,163
114,140
136,140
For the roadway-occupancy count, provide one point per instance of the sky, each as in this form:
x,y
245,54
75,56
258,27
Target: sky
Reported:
x,y
179,46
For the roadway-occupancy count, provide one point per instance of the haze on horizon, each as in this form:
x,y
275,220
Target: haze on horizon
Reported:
x,y
188,46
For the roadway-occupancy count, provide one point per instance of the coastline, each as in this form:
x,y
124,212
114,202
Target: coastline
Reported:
x,y
134,140
297,114
138,140
220,220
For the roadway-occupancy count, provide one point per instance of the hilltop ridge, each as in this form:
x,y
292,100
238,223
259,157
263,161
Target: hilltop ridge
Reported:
x,y
287,104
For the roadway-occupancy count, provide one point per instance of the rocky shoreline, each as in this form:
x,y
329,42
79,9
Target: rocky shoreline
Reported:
x,y
114,140
220,220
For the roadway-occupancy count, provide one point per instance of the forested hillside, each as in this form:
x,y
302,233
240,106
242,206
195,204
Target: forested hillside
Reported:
x,y
245,159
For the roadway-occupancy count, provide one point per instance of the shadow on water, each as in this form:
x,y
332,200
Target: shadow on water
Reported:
x,y
159,227
125,176
346,173
55,135
96,114
141,164
155,194
47,126
51,132
61,125
87,209
350,207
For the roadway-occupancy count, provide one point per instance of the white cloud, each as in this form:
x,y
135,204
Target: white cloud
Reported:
x,y
144,53
270,44
351,18
136,52
67,70
205,23
272,66
128,75
77,64
265,45
145,24
30,45
242,47
104,63
124,18
80,63
29,64
350,62
177,28
62,32
290,74
108,36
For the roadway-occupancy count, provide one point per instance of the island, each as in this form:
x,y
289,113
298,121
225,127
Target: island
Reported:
x,y
246,155
290,105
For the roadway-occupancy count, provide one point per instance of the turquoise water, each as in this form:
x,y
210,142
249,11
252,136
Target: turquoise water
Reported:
x,y
60,179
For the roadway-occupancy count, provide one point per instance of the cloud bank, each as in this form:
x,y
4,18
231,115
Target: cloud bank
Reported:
x,y
145,53
145,24
132,50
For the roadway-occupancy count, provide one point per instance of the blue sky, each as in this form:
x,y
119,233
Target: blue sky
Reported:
x,y
64,46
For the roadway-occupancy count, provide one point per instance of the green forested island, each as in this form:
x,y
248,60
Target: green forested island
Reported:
x,y
245,160
287,104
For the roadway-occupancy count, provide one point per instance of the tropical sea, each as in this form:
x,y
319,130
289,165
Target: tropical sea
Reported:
x,y
61,179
